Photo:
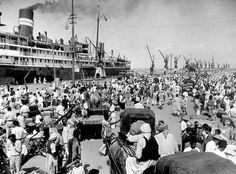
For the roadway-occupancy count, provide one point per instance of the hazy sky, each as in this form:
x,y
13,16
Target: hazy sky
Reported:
x,y
197,28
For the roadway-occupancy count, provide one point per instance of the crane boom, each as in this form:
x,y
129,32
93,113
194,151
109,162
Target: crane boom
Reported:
x,y
179,57
184,58
152,60
162,54
149,53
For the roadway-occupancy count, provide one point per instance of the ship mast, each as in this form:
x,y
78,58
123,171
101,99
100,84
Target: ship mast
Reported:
x,y
98,22
100,71
72,41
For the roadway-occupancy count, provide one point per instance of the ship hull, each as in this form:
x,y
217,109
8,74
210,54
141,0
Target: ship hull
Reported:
x,y
16,74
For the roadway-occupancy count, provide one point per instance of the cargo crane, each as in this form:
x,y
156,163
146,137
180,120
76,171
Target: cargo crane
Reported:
x,y
191,67
152,60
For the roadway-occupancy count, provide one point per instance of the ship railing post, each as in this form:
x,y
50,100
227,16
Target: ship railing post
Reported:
x,y
54,70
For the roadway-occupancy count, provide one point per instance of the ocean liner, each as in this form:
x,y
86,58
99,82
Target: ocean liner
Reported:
x,y
25,59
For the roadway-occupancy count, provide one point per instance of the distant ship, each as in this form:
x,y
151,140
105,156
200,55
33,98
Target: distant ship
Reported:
x,y
24,59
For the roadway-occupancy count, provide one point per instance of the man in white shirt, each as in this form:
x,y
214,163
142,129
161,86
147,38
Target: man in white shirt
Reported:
x,y
8,118
38,119
167,142
24,111
113,116
220,149
60,110
19,132
15,148
211,146
32,98
40,100
143,159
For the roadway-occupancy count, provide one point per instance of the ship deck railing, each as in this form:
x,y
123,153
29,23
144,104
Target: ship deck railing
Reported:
x,y
30,64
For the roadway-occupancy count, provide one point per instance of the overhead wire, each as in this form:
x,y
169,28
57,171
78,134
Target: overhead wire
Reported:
x,y
173,25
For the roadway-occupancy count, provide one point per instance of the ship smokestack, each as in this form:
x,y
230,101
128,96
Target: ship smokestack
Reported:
x,y
26,22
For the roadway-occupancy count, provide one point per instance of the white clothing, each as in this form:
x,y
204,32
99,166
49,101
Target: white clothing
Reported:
x,y
1,121
77,170
134,138
167,145
40,100
85,105
185,94
9,116
14,150
194,91
32,99
183,125
19,132
189,149
60,110
132,167
139,105
232,112
51,162
211,146
21,120
220,153
38,119
24,110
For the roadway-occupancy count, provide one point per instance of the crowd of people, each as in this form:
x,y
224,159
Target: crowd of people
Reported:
x,y
28,114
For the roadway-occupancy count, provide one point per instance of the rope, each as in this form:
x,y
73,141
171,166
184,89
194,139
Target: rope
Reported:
x,y
130,149
115,122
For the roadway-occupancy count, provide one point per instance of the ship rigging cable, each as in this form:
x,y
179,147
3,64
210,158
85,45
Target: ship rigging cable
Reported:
x,y
174,25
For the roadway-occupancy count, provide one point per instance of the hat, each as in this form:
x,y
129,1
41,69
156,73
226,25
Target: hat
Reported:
x,y
145,128
186,118
219,137
185,94
59,127
53,136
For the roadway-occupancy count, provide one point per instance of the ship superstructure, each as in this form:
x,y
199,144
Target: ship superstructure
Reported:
x,y
24,58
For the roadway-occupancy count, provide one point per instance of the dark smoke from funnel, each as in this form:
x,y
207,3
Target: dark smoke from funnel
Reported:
x,y
34,7
43,6
89,7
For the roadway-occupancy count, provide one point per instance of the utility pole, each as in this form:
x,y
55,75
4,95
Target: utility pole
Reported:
x,y
73,42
